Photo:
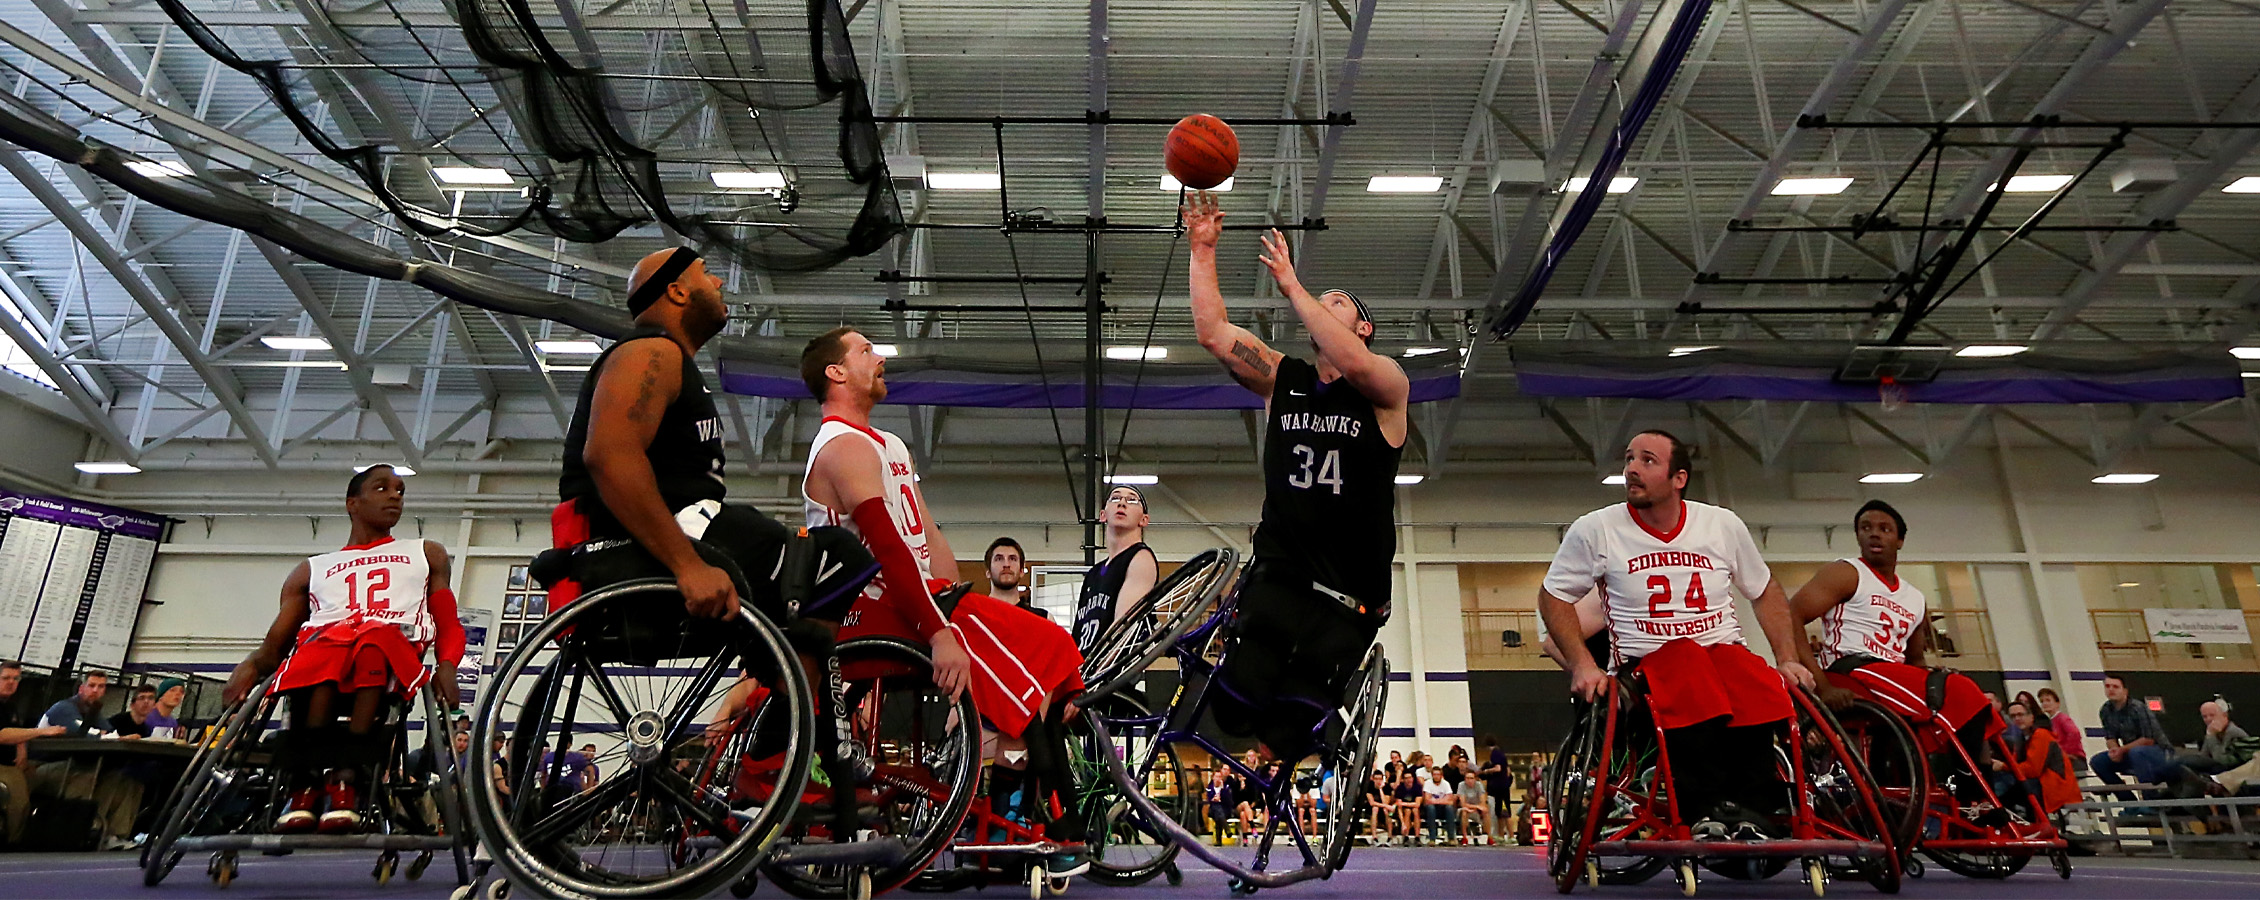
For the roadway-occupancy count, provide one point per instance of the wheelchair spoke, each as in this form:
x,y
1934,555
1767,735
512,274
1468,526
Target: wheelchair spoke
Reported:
x,y
605,690
686,707
578,809
673,784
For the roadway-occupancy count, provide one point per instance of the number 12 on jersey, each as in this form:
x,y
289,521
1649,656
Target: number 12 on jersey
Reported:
x,y
1329,469
1659,596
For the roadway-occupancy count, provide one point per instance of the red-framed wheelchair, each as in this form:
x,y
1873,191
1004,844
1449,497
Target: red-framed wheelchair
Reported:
x,y
1616,819
1965,827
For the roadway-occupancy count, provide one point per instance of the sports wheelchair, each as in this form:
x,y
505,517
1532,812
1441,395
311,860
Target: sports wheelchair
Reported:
x,y
1000,848
232,793
1616,819
837,793
1345,739
1964,827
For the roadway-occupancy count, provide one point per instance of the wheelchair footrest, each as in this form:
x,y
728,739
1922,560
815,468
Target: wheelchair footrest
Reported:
x,y
881,851
313,842
1040,848
1783,848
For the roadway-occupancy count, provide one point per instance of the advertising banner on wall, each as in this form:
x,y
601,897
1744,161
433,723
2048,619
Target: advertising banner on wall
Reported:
x,y
2197,626
471,672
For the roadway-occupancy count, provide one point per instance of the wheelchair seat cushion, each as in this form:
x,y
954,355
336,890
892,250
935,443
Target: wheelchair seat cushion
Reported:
x,y
1690,683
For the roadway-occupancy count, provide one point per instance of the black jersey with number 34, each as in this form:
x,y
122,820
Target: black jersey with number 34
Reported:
x,y
1329,485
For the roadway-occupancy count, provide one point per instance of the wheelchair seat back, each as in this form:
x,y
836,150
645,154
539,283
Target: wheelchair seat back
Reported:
x,y
637,629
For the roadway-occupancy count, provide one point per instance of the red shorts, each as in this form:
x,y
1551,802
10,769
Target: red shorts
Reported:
x,y
1689,683
355,655
1905,690
1020,658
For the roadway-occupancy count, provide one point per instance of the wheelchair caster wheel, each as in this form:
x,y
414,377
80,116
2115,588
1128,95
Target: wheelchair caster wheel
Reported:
x,y
1816,875
386,865
1056,885
222,868
466,892
1913,868
1592,873
743,887
1686,878
860,887
417,866
1174,875
1239,888
2063,863
497,889
1035,882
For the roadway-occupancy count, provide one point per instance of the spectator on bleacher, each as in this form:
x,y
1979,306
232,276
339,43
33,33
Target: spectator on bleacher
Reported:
x,y
1498,782
2134,742
1456,766
1395,768
2037,774
2068,734
2244,753
1439,818
79,713
116,794
1381,809
1218,800
164,721
15,730
1408,808
2217,752
1473,808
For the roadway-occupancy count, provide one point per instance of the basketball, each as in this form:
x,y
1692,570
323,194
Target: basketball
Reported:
x,y
1201,152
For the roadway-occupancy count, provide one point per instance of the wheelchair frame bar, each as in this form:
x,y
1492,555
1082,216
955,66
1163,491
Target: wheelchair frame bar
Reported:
x,y
313,842
1734,848
1134,792
2034,835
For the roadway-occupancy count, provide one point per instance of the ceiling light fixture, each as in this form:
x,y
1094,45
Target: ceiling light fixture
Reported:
x,y
569,348
2125,478
752,181
1789,187
1690,350
2130,584
2035,184
1990,351
285,342
1411,479
1891,477
2245,352
1617,185
399,469
471,175
107,468
1136,353
886,349
1617,479
1170,185
289,364
2249,184
1404,184
1422,351
159,168
964,181
1133,479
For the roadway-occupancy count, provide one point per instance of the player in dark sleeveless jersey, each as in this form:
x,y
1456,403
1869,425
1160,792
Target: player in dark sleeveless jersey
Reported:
x,y
1317,589
1128,572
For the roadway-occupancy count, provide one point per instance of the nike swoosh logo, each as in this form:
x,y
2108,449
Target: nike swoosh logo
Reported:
x,y
1297,394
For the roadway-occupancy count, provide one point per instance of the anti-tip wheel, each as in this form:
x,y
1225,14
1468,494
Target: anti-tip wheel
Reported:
x,y
1056,884
743,887
1816,874
860,888
2063,863
1913,868
497,889
1239,888
1687,878
464,892
1174,875
417,866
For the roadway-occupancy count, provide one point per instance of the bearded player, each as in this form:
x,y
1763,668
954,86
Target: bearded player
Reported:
x,y
1317,590
1664,566
353,630
1874,632
1021,667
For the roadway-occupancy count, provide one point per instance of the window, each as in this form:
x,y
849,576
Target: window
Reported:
x,y
12,355
2119,595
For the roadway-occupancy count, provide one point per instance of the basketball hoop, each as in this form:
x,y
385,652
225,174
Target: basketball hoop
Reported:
x,y
1891,394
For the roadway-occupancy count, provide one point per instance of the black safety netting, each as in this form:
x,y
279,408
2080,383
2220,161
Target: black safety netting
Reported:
x,y
743,126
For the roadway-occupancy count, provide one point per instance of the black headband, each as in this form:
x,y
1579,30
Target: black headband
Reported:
x,y
649,292
1364,314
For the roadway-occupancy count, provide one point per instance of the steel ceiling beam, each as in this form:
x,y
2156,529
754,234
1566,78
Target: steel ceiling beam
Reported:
x,y
1464,171
1345,92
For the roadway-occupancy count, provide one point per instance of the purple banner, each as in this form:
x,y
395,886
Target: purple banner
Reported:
x,y
998,392
2034,379
83,514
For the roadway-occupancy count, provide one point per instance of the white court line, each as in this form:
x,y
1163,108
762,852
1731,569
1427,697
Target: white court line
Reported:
x,y
2076,874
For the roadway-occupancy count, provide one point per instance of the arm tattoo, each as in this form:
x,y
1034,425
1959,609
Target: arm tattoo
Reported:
x,y
1252,357
649,405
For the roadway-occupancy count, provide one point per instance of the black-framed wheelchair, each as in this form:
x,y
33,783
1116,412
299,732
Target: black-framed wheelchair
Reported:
x,y
1616,818
1345,741
233,792
799,785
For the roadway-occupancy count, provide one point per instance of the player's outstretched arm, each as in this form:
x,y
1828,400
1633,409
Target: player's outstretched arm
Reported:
x,y
1585,675
633,390
1376,376
263,661
1788,638
1831,586
1250,361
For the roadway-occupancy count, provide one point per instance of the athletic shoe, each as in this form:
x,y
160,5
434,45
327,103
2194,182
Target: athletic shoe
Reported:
x,y
299,818
1710,830
1067,863
341,817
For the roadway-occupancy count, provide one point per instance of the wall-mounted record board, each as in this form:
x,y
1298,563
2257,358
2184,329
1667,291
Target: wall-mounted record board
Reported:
x,y
72,578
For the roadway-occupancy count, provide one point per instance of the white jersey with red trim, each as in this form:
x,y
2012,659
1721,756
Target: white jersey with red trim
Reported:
x,y
383,582
1876,620
896,485
1658,586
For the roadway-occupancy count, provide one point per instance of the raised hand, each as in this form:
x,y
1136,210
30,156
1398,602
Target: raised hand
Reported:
x,y
1276,257
1204,222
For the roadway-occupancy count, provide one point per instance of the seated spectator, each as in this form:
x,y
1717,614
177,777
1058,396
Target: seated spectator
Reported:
x,y
1219,801
2037,773
15,767
1381,809
2133,741
1408,807
1473,808
2068,734
116,795
1439,819
132,722
164,720
2216,753
1395,769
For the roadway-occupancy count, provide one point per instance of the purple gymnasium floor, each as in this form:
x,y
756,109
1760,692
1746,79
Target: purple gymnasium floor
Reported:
x,y
1425,874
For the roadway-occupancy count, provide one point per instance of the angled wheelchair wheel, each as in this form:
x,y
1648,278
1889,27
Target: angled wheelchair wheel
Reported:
x,y
624,669
1179,602
1126,849
926,752
1348,754
200,800
1843,793
1575,789
1901,775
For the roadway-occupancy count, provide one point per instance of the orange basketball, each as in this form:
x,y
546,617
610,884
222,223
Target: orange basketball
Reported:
x,y
1201,152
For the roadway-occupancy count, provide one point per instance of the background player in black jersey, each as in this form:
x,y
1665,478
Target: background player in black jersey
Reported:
x,y
1317,589
1007,566
1123,578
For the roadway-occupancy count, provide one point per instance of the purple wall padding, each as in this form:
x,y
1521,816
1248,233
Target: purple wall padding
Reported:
x,y
2029,380
998,391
